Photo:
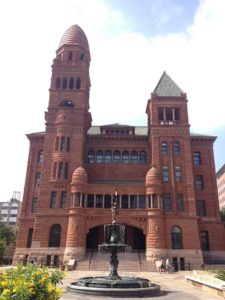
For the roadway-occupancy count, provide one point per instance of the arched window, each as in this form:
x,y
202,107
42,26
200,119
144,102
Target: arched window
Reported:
x,y
176,238
142,157
134,157
125,157
99,157
64,83
70,55
58,83
40,156
67,103
164,148
108,157
55,236
117,157
78,83
91,157
71,83
176,148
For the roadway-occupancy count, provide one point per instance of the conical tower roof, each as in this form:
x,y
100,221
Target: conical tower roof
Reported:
x,y
166,87
74,35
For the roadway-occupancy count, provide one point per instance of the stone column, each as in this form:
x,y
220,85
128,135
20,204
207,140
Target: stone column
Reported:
x,y
155,237
76,235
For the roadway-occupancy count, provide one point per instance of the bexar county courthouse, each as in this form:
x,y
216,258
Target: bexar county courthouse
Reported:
x,y
164,174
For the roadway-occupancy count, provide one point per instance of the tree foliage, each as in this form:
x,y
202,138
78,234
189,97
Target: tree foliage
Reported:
x,y
7,242
222,214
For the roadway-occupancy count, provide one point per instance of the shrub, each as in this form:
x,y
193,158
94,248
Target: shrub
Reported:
x,y
220,274
30,283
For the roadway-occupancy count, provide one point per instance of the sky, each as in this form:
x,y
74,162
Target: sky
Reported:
x,y
131,42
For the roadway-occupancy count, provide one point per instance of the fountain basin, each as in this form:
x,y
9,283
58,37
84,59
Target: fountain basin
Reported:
x,y
120,287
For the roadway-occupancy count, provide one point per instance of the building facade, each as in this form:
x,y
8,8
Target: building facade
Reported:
x,y
10,210
220,178
165,176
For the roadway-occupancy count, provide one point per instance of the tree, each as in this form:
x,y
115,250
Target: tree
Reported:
x,y
222,214
3,251
7,234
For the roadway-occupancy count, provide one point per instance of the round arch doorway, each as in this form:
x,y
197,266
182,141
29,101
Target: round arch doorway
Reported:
x,y
134,237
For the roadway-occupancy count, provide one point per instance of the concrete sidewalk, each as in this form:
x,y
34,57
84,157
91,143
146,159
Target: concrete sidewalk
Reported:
x,y
173,286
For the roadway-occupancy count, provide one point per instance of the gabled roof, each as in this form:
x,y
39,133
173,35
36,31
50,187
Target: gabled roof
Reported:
x,y
166,87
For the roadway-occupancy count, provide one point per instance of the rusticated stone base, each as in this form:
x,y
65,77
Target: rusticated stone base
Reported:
x,y
77,253
39,255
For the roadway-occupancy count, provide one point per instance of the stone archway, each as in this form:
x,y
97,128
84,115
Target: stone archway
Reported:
x,y
94,237
134,237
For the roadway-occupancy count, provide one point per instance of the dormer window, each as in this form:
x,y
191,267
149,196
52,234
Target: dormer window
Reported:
x,y
117,129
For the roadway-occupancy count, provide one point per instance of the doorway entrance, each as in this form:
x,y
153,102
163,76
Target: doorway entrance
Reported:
x,y
134,237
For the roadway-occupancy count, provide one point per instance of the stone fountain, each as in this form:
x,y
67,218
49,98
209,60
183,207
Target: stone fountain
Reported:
x,y
114,285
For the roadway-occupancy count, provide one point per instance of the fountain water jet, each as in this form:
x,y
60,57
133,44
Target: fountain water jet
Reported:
x,y
113,285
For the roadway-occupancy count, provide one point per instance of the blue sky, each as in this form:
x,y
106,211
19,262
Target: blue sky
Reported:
x,y
156,17
131,42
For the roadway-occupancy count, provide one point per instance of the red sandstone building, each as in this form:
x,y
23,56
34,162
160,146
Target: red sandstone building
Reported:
x,y
164,174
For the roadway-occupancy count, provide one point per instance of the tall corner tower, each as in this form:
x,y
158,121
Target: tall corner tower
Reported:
x,y
170,141
68,117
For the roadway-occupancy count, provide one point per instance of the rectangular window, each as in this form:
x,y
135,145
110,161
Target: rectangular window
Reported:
x,y
177,113
70,55
60,170
63,143
161,114
133,201
90,200
201,210
37,179
63,199
65,170
34,205
54,170
165,171
57,143
68,144
167,201
29,237
141,201
197,158
178,174
180,202
199,182
124,200
107,201
169,114
99,201
205,240
53,200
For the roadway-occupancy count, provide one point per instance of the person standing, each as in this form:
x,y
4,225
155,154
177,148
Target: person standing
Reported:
x,y
167,264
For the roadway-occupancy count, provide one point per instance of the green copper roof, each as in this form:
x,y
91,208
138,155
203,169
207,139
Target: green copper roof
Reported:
x,y
166,87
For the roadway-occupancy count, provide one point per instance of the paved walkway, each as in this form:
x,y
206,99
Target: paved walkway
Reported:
x,y
173,286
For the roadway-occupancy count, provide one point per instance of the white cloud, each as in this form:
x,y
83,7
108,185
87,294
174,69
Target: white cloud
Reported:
x,y
125,68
